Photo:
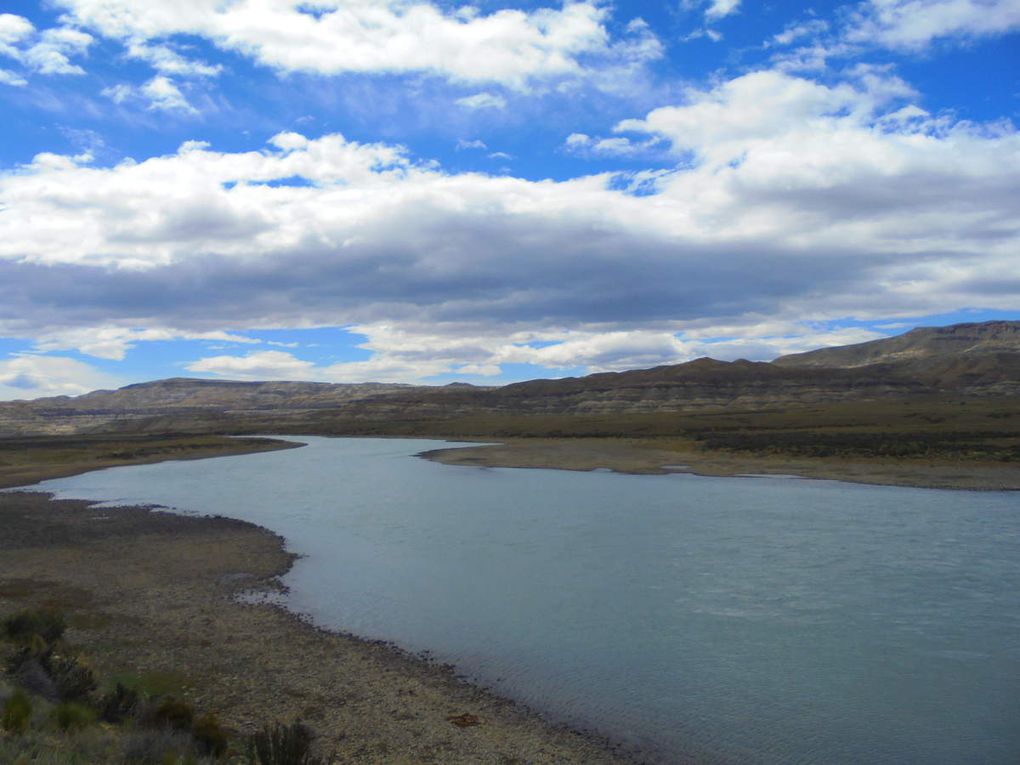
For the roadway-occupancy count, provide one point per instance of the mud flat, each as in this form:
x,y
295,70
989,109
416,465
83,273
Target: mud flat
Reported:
x,y
649,456
156,595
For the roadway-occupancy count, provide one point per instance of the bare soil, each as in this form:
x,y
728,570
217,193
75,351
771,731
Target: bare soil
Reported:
x,y
659,456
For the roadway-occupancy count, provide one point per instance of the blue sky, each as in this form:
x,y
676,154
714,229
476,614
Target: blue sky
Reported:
x,y
436,191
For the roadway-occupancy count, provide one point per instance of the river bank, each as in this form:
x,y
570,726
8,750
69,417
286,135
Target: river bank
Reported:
x,y
656,457
28,460
155,595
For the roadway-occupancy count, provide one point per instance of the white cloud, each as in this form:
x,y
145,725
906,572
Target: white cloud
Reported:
x,y
46,52
13,29
168,61
165,96
8,77
800,30
51,55
113,342
259,365
718,9
413,354
915,24
158,94
119,93
788,200
463,144
617,146
29,376
511,47
482,101
906,26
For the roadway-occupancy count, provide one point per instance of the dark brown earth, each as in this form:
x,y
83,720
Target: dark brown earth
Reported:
x,y
153,595
651,456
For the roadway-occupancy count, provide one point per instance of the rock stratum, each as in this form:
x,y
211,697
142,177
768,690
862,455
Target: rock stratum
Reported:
x,y
978,361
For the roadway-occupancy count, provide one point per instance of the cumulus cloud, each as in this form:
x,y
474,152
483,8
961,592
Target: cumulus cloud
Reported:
x,y
718,9
13,29
29,376
47,52
413,353
511,47
788,200
165,96
915,24
259,365
713,11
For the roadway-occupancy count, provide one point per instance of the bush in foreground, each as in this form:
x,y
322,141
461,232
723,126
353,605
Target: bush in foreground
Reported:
x,y
22,626
282,745
119,704
16,713
72,716
210,736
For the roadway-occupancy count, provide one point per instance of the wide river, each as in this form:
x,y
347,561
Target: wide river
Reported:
x,y
730,620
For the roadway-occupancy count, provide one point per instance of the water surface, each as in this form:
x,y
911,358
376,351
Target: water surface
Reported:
x,y
730,620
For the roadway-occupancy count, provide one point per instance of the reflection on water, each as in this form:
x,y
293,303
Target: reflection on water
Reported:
x,y
732,620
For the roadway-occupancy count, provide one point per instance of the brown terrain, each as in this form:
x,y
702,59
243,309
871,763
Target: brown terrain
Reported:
x,y
932,407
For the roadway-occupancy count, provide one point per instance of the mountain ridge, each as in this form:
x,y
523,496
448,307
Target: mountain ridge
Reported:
x,y
972,359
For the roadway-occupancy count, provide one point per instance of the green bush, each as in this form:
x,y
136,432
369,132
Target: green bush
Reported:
x,y
73,716
119,704
174,713
74,681
209,735
282,745
49,625
16,713
157,747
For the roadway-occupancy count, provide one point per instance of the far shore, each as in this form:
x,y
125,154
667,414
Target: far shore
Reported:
x,y
659,457
30,459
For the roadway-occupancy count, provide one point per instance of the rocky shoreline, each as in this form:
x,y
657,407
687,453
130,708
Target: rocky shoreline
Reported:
x,y
154,594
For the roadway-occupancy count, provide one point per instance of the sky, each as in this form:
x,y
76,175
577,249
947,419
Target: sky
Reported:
x,y
426,191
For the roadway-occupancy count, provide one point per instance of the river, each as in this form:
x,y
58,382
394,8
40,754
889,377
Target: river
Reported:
x,y
718,620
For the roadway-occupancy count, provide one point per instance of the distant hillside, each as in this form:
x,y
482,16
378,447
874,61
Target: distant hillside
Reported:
x,y
960,341
180,403
965,360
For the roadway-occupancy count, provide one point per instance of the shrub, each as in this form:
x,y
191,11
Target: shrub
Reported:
x,y
16,713
73,716
282,745
209,735
74,681
118,704
174,713
156,747
47,624
36,651
28,671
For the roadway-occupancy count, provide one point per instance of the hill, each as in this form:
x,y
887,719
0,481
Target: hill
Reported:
x,y
968,362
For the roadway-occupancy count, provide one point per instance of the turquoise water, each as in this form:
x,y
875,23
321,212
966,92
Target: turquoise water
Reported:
x,y
730,620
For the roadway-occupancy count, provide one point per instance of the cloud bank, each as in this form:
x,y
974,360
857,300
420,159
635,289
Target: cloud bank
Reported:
x,y
329,37
786,201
